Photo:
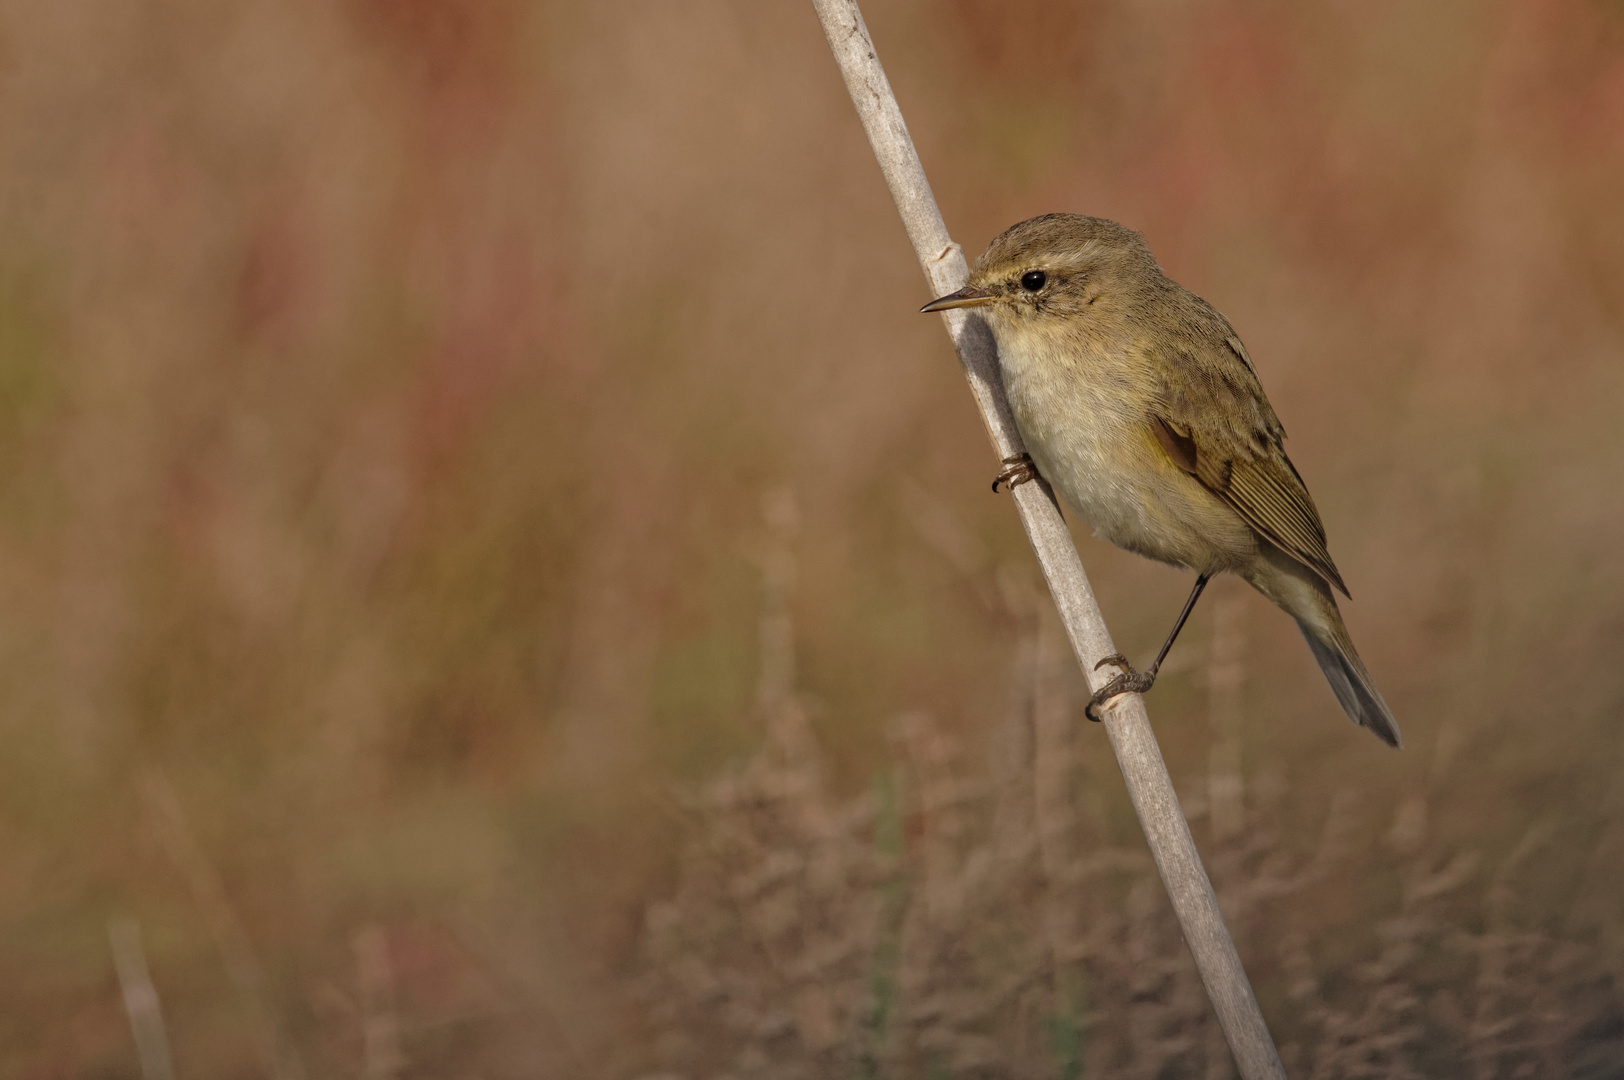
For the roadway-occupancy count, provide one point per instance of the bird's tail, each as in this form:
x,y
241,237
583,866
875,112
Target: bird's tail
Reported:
x,y
1349,680
1307,598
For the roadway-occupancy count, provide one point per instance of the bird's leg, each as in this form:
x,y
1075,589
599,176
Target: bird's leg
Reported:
x,y
1017,470
1137,682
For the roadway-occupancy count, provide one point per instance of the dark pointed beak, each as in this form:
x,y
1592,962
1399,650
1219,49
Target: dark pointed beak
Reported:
x,y
969,296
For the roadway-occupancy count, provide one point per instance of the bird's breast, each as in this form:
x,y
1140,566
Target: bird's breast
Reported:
x,y
1080,410
1083,410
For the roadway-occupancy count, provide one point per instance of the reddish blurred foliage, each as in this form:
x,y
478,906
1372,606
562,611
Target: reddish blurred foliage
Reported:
x,y
387,395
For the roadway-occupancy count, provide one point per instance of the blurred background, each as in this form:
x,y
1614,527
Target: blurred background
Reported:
x,y
499,580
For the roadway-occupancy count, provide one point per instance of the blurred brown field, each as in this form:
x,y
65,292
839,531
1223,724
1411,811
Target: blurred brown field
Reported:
x,y
471,470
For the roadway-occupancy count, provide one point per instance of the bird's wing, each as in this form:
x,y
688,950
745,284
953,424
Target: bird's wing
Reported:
x,y
1215,423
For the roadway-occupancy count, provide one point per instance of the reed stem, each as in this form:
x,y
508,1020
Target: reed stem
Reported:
x,y
1125,720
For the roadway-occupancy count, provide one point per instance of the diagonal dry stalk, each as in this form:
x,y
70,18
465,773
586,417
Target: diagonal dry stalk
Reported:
x,y
140,1000
1125,720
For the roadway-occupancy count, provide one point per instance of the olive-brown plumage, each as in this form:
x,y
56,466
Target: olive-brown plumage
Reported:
x,y
1139,404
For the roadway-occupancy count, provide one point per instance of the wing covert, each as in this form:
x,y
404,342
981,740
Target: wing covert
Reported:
x,y
1215,423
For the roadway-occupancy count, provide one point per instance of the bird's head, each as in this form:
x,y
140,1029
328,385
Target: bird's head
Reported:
x,y
1057,267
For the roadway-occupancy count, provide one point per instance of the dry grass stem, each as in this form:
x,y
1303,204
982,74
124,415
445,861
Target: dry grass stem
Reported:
x,y
174,831
1125,720
140,1000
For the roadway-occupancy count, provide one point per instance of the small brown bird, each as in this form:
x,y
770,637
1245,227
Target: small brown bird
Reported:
x,y
1138,403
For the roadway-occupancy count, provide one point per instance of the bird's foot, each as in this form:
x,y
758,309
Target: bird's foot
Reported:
x,y
1017,470
1129,682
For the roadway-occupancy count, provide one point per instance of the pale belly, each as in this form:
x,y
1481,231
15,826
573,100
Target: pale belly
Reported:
x,y
1090,438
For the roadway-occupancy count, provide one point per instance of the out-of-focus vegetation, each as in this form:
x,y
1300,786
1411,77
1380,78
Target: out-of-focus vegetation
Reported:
x,y
1000,920
388,391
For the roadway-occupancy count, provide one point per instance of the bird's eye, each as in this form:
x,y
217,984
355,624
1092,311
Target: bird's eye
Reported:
x,y
1033,280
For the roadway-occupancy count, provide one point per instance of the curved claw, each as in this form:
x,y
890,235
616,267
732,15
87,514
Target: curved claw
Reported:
x,y
1129,682
1018,470
1115,658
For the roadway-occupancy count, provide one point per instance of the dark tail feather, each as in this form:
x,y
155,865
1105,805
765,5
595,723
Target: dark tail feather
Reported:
x,y
1351,683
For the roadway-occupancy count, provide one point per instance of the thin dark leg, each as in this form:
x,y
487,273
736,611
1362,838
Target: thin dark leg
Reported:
x,y
1137,682
1189,606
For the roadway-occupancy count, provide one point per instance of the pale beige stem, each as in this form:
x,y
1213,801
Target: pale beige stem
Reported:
x,y
1125,721
174,831
140,1000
